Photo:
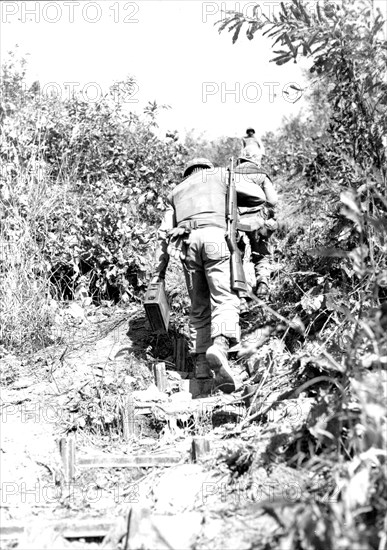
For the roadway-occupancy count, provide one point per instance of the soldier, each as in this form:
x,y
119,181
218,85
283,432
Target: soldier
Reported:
x,y
252,147
262,222
193,229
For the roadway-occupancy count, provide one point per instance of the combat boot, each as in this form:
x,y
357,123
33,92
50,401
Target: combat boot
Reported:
x,y
217,359
262,290
202,370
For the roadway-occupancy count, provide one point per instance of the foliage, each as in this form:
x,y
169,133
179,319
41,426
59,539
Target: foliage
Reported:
x,y
25,290
346,46
330,166
301,138
82,191
105,169
218,150
347,154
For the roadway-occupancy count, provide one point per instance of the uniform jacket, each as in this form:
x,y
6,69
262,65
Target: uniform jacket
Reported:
x,y
252,147
201,197
252,173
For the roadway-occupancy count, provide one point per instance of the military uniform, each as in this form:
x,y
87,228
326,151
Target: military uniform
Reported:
x,y
253,148
195,226
260,219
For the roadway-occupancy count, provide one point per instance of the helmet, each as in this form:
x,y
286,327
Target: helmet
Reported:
x,y
202,162
250,130
244,158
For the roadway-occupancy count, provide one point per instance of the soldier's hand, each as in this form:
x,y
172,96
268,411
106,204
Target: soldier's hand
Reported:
x,y
157,279
271,224
177,232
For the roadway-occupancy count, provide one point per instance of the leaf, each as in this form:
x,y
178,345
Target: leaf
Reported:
x,y
323,361
321,47
380,224
282,59
281,52
357,491
311,303
358,256
289,43
348,198
312,40
236,33
319,14
379,23
351,209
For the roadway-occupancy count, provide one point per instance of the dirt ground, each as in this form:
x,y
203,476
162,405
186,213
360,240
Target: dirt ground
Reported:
x,y
79,391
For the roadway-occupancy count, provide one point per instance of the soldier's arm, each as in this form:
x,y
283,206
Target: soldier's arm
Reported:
x,y
248,193
261,145
270,192
243,145
162,256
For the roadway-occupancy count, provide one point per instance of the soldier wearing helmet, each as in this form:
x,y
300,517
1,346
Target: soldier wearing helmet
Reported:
x,y
193,230
252,147
195,164
262,224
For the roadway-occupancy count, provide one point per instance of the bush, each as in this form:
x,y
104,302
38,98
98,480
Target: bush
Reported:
x,y
82,190
108,170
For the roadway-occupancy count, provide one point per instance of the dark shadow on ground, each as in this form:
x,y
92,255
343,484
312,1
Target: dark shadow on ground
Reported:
x,y
170,347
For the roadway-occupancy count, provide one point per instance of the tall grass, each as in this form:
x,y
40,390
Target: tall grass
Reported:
x,y
26,201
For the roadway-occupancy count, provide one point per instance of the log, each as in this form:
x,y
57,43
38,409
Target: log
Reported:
x,y
160,376
127,461
69,528
127,415
180,354
201,446
67,451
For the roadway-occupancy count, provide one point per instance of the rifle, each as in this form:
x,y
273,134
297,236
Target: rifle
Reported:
x,y
238,278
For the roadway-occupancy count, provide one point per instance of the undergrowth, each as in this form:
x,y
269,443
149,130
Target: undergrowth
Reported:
x,y
71,210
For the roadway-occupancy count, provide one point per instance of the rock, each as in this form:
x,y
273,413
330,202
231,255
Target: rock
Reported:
x,y
76,311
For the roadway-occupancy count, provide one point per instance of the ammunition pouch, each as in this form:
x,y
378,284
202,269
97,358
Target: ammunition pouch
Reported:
x,y
250,222
261,220
178,242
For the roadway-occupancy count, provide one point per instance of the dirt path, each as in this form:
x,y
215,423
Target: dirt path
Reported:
x,y
77,394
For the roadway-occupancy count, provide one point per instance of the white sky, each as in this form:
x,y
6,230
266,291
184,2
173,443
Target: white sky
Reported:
x,y
172,49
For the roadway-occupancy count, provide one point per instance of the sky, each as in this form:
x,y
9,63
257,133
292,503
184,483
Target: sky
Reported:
x,y
173,50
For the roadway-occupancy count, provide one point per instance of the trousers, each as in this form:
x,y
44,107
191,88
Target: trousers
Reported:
x,y
214,305
261,253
